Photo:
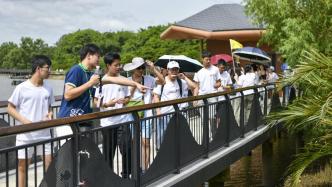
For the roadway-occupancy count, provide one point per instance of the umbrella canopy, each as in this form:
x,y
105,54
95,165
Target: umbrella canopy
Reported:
x,y
186,64
253,54
225,57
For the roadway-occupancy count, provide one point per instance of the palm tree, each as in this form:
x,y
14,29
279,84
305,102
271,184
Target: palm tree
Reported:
x,y
310,113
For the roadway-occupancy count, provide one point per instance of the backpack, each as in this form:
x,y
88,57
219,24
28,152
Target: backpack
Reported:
x,y
180,85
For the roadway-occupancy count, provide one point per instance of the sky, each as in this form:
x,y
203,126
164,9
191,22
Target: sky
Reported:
x,y
50,19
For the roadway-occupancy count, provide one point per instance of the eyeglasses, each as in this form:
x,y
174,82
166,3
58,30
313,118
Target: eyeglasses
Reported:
x,y
48,68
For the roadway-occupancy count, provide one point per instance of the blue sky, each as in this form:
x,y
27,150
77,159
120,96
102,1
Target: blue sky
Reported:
x,y
50,19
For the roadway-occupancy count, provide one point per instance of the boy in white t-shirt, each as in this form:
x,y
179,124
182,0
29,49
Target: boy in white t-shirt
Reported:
x,y
115,96
208,78
31,102
226,81
170,91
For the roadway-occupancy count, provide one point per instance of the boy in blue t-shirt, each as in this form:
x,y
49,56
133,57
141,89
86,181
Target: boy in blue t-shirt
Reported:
x,y
78,89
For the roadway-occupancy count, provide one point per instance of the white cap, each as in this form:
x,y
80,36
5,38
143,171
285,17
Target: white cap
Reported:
x,y
135,63
271,68
173,64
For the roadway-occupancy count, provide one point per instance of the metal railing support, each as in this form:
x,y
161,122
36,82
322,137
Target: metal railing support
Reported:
x,y
177,140
206,138
228,130
265,100
75,145
242,116
256,96
136,150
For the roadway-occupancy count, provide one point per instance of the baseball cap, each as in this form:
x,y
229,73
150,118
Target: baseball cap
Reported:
x,y
173,64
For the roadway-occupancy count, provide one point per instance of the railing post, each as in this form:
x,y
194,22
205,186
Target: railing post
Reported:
x,y
75,145
136,150
265,100
206,133
242,115
228,130
256,96
177,139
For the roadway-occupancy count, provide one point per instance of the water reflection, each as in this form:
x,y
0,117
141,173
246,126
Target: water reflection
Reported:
x,y
264,167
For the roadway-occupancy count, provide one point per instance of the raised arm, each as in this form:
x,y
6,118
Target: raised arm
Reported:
x,y
124,81
192,85
161,79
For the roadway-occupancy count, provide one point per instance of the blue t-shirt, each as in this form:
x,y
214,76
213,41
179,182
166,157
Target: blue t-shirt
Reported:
x,y
76,77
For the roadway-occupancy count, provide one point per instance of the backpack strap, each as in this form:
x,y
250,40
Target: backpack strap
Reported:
x,y
143,85
180,85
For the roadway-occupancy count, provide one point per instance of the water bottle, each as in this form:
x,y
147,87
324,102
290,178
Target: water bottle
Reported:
x,y
97,72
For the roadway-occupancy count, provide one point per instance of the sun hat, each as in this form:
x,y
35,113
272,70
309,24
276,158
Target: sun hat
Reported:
x,y
173,64
135,63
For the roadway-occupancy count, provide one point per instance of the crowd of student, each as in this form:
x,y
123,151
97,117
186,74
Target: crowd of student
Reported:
x,y
31,100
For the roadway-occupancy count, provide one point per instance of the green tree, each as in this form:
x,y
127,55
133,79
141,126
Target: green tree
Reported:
x,y
147,44
30,48
113,41
293,27
5,48
66,52
311,113
15,59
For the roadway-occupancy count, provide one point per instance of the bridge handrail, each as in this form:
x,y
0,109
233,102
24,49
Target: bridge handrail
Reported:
x,y
97,115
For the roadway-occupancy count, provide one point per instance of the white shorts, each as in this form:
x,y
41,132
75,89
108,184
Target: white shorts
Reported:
x,y
31,149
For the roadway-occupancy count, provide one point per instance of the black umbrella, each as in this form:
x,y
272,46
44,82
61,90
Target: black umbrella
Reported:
x,y
186,64
252,54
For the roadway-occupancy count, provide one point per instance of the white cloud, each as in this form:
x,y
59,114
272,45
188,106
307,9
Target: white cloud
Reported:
x,y
50,19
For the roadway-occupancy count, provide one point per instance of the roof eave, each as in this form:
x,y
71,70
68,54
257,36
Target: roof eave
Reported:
x,y
178,32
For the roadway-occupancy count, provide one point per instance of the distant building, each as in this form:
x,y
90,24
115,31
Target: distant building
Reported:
x,y
216,25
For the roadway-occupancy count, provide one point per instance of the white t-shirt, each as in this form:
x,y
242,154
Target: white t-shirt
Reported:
x,y
207,77
248,79
109,92
272,77
225,78
33,103
149,82
172,91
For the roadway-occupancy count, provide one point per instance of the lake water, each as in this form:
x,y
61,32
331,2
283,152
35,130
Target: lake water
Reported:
x,y
7,88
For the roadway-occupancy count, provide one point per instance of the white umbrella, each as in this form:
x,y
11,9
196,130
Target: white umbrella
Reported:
x,y
186,64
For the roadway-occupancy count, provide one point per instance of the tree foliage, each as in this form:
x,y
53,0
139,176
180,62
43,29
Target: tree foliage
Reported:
x,y
294,26
311,113
145,43
19,56
302,31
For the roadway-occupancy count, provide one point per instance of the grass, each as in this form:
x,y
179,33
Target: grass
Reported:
x,y
319,179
